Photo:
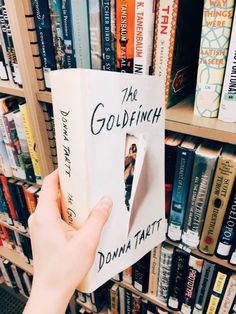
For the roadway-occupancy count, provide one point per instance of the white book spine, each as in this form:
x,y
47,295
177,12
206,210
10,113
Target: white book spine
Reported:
x,y
143,38
227,111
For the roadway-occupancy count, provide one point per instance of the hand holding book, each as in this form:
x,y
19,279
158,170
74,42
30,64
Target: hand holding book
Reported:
x,y
62,255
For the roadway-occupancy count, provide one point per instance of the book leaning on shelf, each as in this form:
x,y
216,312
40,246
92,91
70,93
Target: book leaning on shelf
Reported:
x,y
216,29
115,121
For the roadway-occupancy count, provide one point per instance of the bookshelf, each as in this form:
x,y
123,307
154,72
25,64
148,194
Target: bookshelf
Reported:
x,y
179,118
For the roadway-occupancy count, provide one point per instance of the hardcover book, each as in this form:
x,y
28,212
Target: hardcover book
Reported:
x,y
109,128
205,160
216,29
229,295
220,192
227,111
183,171
228,228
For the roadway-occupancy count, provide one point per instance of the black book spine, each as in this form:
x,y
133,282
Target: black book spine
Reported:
x,y
178,278
128,301
140,273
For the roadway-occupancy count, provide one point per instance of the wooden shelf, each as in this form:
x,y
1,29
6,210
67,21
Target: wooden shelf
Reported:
x,y
210,258
44,96
5,224
16,259
180,118
10,88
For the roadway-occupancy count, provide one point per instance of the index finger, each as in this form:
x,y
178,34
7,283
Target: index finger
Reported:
x,y
48,197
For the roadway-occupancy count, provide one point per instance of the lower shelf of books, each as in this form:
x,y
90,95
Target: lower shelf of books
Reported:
x,y
14,257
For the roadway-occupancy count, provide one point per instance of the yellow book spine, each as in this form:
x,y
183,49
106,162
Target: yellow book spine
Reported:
x,y
219,197
30,137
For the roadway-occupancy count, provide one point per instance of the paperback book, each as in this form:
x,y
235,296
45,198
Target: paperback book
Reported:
x,y
109,128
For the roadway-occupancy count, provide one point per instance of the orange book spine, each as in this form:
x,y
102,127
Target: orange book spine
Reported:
x,y
8,198
125,17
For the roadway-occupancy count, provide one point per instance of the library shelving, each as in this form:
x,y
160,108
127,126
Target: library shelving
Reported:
x,y
179,118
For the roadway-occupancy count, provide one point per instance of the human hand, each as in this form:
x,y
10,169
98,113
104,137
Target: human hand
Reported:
x,y
62,255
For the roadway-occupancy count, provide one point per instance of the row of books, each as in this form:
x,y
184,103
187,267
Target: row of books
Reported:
x,y
14,240
9,68
19,157
190,45
200,193
17,201
182,281
15,277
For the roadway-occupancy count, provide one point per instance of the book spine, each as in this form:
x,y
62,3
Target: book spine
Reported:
x,y
114,295
192,282
69,57
57,32
22,203
164,39
201,181
34,43
220,192
44,34
212,56
7,266
3,66
166,256
204,285
154,270
136,303
122,300
125,11
10,45
108,35
232,254
177,279
227,110
183,171
30,197
80,21
95,33
128,301
4,208
140,273
5,167
5,274
17,279
6,62
127,275
29,133
229,295
143,36
216,293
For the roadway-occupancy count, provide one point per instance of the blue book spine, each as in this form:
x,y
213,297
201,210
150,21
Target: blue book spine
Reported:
x,y
184,164
43,29
80,22
108,36
69,58
57,32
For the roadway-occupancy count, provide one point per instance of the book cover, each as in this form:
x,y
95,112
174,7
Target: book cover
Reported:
x,y
140,273
216,29
43,29
227,110
143,36
178,277
67,30
29,133
172,141
217,289
108,35
220,192
191,285
154,270
229,295
203,287
95,9
205,160
121,129
176,44
166,256
80,22
125,16
183,171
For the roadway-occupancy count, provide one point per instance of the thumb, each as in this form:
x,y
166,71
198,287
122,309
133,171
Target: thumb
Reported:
x,y
96,220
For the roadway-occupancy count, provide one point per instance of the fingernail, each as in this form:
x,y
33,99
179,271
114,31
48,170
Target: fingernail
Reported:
x,y
106,203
